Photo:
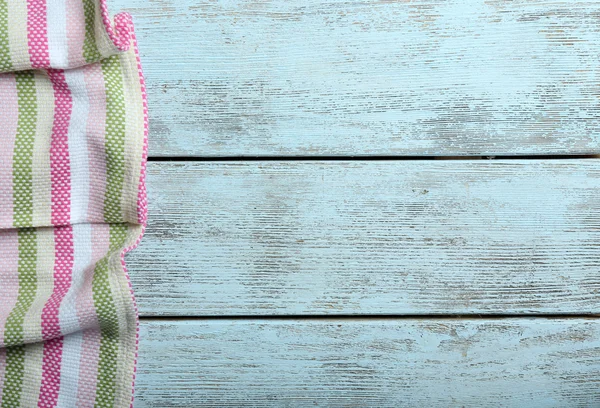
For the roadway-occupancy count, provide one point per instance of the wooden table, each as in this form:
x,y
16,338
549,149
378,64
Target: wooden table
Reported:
x,y
370,203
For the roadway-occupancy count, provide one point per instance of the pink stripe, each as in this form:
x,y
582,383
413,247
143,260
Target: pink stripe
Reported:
x,y
37,33
142,202
60,171
51,373
119,34
9,290
88,368
76,30
96,134
8,129
60,174
88,319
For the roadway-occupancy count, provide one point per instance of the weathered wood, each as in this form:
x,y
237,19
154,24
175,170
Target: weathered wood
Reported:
x,y
370,237
340,77
369,363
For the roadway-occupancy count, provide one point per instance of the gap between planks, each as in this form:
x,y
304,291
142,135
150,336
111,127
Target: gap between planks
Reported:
x,y
366,158
374,317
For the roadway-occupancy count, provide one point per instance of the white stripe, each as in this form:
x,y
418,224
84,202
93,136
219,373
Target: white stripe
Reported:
x,y
68,318
82,237
17,34
56,11
69,370
78,146
32,374
42,181
82,246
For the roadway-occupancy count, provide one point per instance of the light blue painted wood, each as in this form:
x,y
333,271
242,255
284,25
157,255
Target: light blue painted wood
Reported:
x,y
340,77
370,363
370,237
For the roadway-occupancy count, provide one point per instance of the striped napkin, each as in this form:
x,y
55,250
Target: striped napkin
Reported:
x,y
73,148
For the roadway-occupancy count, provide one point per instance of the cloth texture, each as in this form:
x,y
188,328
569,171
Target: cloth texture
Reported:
x,y
73,150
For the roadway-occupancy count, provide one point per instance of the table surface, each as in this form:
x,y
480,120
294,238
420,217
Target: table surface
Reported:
x,y
370,203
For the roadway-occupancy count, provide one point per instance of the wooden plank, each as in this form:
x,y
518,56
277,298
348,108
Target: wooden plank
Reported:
x,y
340,77
369,363
370,237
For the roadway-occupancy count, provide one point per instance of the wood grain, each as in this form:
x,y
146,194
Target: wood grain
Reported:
x,y
369,363
370,237
339,77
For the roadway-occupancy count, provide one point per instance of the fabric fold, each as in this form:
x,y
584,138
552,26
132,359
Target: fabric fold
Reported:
x,y
73,151
59,34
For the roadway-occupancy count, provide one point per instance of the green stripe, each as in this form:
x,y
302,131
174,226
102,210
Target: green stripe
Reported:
x,y
5,60
115,139
115,166
90,48
23,217
13,335
23,151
